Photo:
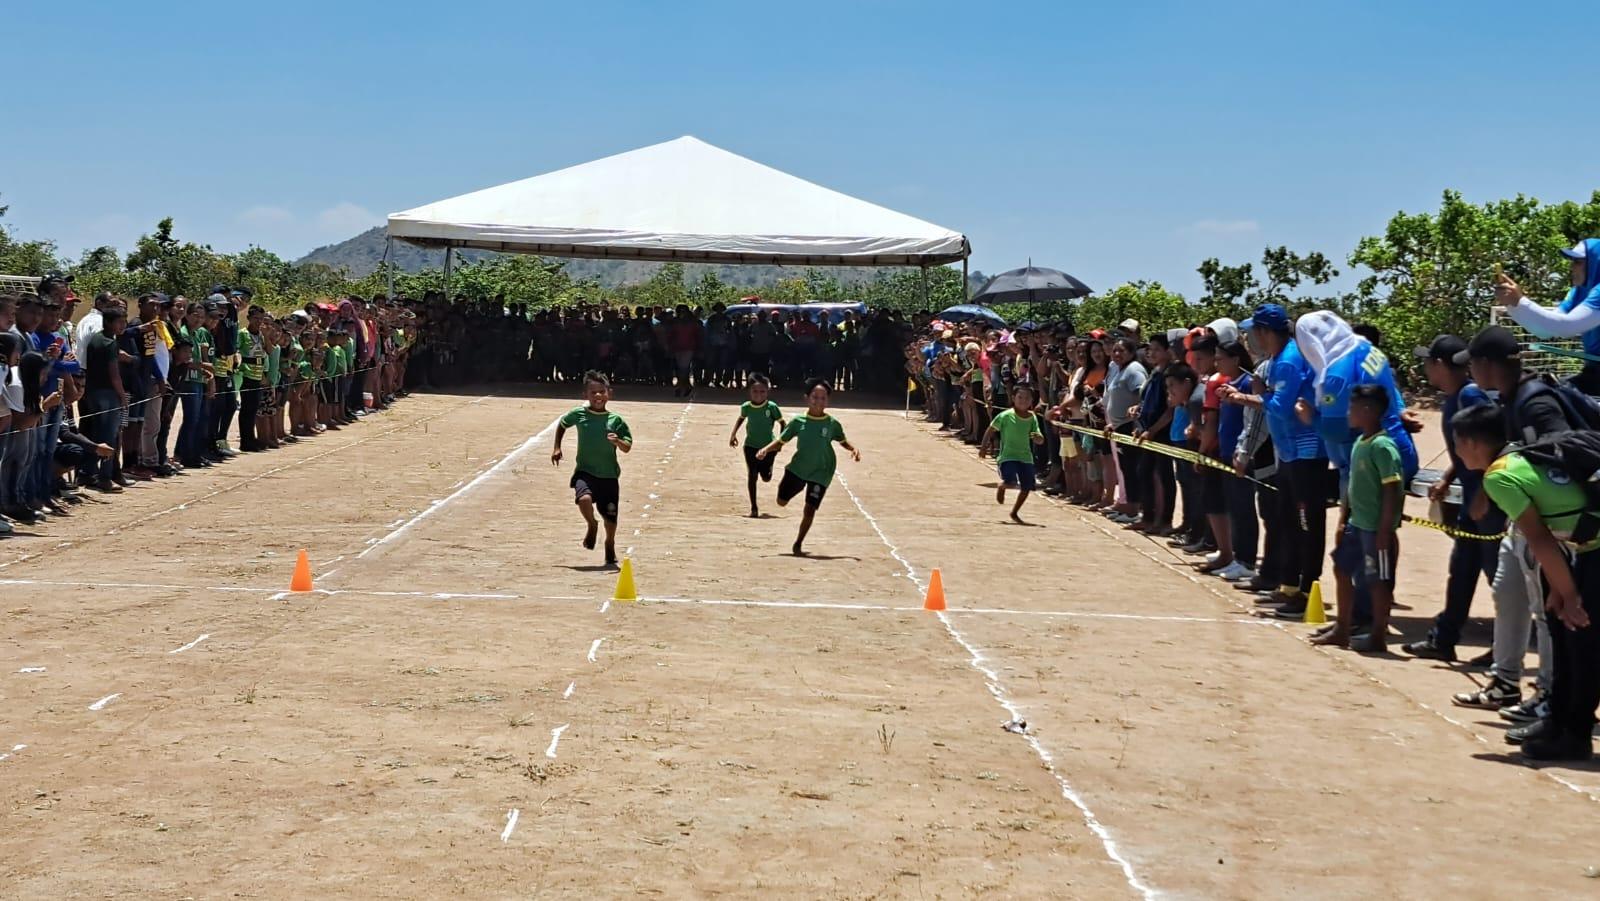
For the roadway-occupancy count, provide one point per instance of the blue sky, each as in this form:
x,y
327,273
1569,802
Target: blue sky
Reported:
x,y
1116,141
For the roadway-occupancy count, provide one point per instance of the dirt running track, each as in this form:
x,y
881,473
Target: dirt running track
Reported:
x,y
459,713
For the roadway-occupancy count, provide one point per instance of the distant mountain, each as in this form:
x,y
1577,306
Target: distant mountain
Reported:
x,y
360,256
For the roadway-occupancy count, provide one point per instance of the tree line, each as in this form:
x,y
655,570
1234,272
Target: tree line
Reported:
x,y
1428,273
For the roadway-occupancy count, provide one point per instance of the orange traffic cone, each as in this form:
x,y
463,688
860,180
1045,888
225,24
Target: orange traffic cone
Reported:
x,y
302,573
935,599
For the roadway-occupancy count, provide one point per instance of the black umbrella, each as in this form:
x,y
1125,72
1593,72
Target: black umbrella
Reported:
x,y
1029,284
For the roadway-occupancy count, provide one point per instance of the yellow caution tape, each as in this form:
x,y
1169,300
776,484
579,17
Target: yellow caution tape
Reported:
x,y
1198,459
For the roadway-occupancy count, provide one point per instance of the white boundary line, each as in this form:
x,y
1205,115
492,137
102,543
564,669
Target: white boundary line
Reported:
x,y
511,823
101,704
190,644
555,739
436,506
992,682
709,602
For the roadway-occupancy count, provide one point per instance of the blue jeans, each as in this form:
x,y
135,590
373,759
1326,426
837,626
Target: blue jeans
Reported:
x,y
192,430
99,419
41,478
1468,559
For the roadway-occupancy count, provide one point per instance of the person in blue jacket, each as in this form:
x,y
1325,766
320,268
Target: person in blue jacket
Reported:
x,y
1578,313
1341,360
1301,514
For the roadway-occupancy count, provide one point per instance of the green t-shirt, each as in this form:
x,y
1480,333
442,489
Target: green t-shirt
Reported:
x,y
333,364
274,364
813,459
1374,463
1016,435
201,339
253,355
758,422
597,456
1514,484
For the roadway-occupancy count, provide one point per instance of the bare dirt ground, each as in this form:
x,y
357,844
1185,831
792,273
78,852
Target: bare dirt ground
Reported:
x,y
458,710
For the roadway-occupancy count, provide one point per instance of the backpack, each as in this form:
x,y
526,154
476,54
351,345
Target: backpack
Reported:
x,y
1578,455
1582,411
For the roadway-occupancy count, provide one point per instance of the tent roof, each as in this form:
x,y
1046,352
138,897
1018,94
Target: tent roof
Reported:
x,y
686,201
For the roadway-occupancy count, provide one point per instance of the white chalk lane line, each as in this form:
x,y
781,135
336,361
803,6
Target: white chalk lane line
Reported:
x,y
977,661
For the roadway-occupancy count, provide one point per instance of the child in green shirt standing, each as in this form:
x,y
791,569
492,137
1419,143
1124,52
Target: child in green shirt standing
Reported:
x,y
601,433
1018,431
811,468
757,415
1365,555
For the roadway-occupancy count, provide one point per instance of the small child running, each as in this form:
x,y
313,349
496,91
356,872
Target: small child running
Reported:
x,y
811,469
757,415
601,434
1018,430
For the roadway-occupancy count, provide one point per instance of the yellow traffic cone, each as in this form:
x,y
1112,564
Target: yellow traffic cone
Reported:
x,y
625,590
1315,614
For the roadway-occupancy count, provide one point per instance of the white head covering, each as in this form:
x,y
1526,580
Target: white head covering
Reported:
x,y
1324,339
1226,330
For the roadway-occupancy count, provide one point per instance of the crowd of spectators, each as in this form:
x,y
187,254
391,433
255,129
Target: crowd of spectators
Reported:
x,y
1231,441
151,387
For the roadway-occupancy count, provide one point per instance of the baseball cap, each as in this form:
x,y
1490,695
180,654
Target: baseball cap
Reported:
x,y
1493,343
52,280
1578,251
1268,316
1444,347
1129,325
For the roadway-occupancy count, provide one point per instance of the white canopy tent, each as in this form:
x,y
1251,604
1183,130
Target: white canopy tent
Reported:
x,y
680,201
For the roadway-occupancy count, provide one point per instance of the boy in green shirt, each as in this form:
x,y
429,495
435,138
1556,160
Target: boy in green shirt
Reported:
x,y
757,415
1365,554
601,434
811,468
1548,506
1018,431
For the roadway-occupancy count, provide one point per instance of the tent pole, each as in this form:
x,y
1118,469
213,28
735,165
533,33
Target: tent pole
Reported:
x,y
966,290
447,251
388,264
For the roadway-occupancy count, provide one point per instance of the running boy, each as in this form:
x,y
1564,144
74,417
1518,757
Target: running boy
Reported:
x,y
811,469
1365,555
1018,430
757,415
601,434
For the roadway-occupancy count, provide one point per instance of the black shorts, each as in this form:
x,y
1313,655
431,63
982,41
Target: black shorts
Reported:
x,y
325,391
606,493
792,485
762,468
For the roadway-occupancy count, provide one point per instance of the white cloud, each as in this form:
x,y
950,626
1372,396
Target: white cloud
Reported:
x,y
346,219
1223,227
266,215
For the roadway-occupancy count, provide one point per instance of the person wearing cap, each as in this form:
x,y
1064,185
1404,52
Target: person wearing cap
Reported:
x,y
1468,557
1532,411
1578,314
252,373
225,401
1301,514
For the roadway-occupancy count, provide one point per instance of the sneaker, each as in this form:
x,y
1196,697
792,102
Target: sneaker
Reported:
x,y
1576,748
1232,572
1214,556
1238,572
1499,693
1519,734
1430,649
1534,708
